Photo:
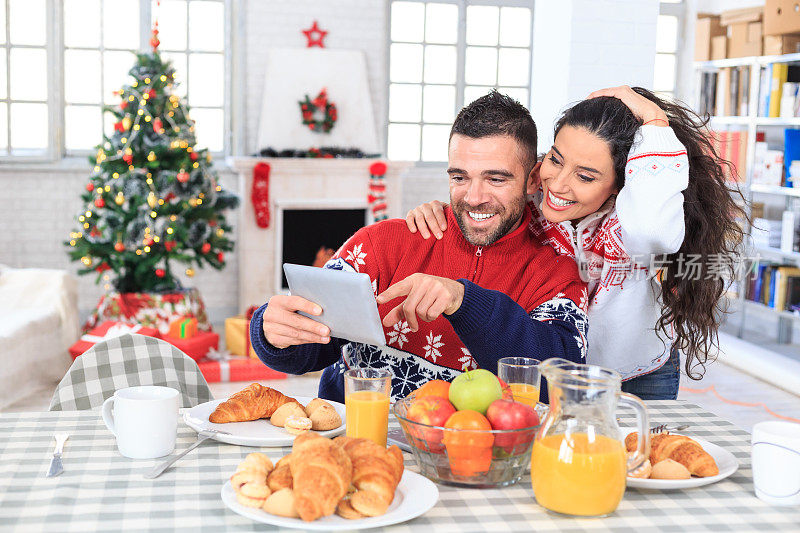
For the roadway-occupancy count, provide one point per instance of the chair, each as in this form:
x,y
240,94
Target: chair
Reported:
x,y
127,361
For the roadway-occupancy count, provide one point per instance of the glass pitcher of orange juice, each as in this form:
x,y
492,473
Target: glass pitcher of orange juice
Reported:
x,y
579,462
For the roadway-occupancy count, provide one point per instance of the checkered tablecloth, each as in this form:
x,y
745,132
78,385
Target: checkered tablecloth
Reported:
x,y
103,491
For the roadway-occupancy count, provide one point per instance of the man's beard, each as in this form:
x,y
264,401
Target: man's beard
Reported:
x,y
508,219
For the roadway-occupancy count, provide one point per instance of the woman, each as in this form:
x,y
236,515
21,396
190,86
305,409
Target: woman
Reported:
x,y
633,190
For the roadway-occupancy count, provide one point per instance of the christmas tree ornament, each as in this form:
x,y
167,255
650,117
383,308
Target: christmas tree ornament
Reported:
x,y
193,156
205,248
259,194
90,187
183,176
315,36
119,247
377,191
99,202
119,126
123,105
86,261
151,156
102,267
318,114
126,122
119,199
151,93
158,126
160,272
221,257
190,272
169,245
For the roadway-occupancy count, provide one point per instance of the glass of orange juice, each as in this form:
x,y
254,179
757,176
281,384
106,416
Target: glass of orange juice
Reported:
x,y
523,378
366,400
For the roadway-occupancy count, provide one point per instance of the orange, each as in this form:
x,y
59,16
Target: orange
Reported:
x,y
469,446
435,387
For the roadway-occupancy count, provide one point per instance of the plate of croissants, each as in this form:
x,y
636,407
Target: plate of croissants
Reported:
x,y
262,416
329,484
680,462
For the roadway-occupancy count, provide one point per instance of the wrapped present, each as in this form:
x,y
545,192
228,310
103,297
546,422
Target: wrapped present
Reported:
x,y
107,330
183,328
237,334
197,346
222,367
155,310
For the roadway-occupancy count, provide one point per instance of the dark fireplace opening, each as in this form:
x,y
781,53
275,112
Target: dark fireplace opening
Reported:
x,y
305,231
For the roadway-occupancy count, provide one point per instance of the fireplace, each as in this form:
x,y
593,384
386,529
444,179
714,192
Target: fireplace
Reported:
x,y
338,185
303,231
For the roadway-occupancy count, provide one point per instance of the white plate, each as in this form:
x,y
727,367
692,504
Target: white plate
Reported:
x,y
725,460
414,496
256,432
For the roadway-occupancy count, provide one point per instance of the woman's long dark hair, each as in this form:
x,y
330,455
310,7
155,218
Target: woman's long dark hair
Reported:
x,y
692,305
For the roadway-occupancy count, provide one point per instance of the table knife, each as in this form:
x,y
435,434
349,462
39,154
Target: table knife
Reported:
x,y
55,463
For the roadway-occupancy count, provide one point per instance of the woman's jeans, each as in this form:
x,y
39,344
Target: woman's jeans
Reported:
x,y
661,384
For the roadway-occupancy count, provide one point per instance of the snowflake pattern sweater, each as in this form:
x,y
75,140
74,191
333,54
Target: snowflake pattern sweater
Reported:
x,y
520,298
613,248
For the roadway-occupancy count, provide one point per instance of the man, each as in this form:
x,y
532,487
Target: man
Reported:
x,y
485,292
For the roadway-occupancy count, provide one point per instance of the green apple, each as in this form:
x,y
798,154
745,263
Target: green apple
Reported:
x,y
475,390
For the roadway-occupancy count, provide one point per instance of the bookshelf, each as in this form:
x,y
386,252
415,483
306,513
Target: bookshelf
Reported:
x,y
752,123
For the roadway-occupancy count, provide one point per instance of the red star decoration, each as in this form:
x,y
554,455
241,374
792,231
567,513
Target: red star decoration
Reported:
x,y
315,40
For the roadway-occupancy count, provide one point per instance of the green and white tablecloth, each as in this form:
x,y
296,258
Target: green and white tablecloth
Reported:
x,y
103,491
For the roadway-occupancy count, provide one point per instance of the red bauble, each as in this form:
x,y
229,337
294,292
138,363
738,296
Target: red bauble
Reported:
x,y
160,272
99,202
212,223
128,158
183,176
151,93
119,247
90,187
169,245
378,168
119,127
221,257
94,233
123,104
148,242
193,156
157,125
205,248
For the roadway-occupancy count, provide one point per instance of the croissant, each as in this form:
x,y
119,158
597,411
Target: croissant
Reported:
x,y
321,474
252,403
681,449
376,474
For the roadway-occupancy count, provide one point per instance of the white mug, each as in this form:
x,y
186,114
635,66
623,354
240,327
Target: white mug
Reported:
x,y
144,420
776,462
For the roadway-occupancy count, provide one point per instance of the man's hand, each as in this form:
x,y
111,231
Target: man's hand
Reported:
x,y
427,297
644,109
283,327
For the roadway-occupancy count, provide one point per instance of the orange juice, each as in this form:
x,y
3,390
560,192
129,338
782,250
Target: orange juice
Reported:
x,y
525,393
367,415
578,476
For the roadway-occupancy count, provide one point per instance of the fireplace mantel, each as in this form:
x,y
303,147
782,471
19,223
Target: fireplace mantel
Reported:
x,y
298,183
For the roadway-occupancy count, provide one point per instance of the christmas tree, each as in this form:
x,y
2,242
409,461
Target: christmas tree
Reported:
x,y
152,198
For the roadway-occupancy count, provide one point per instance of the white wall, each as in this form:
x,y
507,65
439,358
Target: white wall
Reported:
x,y
718,6
579,46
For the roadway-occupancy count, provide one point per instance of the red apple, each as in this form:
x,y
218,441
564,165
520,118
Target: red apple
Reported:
x,y
433,411
507,414
507,394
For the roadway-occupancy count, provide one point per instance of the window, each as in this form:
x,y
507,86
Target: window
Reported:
x,y
443,55
668,30
99,40
25,102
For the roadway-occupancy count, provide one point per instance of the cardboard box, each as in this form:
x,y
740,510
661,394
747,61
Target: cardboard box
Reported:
x,y
776,45
745,39
237,336
780,17
719,47
737,16
708,27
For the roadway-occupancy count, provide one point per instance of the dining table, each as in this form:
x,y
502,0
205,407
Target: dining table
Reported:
x,y
100,490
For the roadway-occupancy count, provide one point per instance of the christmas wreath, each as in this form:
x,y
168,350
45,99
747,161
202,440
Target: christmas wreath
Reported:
x,y
312,109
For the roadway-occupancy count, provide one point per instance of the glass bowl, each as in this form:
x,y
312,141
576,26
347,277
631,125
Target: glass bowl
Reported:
x,y
461,457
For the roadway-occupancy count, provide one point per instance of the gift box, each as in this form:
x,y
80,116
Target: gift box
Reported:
x,y
154,310
183,328
236,369
237,336
107,330
197,346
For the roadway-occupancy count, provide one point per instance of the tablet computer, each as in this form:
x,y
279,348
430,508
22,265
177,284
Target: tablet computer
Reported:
x,y
347,301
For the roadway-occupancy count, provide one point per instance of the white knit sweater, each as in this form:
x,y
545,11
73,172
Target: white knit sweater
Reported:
x,y
645,218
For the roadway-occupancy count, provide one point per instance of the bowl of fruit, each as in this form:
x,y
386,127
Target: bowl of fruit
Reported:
x,y
469,432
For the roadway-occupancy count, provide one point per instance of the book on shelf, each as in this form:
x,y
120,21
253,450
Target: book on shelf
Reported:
x,y
723,98
763,91
775,286
780,72
732,146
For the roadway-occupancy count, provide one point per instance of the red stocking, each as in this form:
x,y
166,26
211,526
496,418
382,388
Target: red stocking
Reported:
x,y
260,194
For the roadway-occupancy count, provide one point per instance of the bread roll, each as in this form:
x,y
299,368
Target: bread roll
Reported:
x,y
325,417
286,410
297,424
669,469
